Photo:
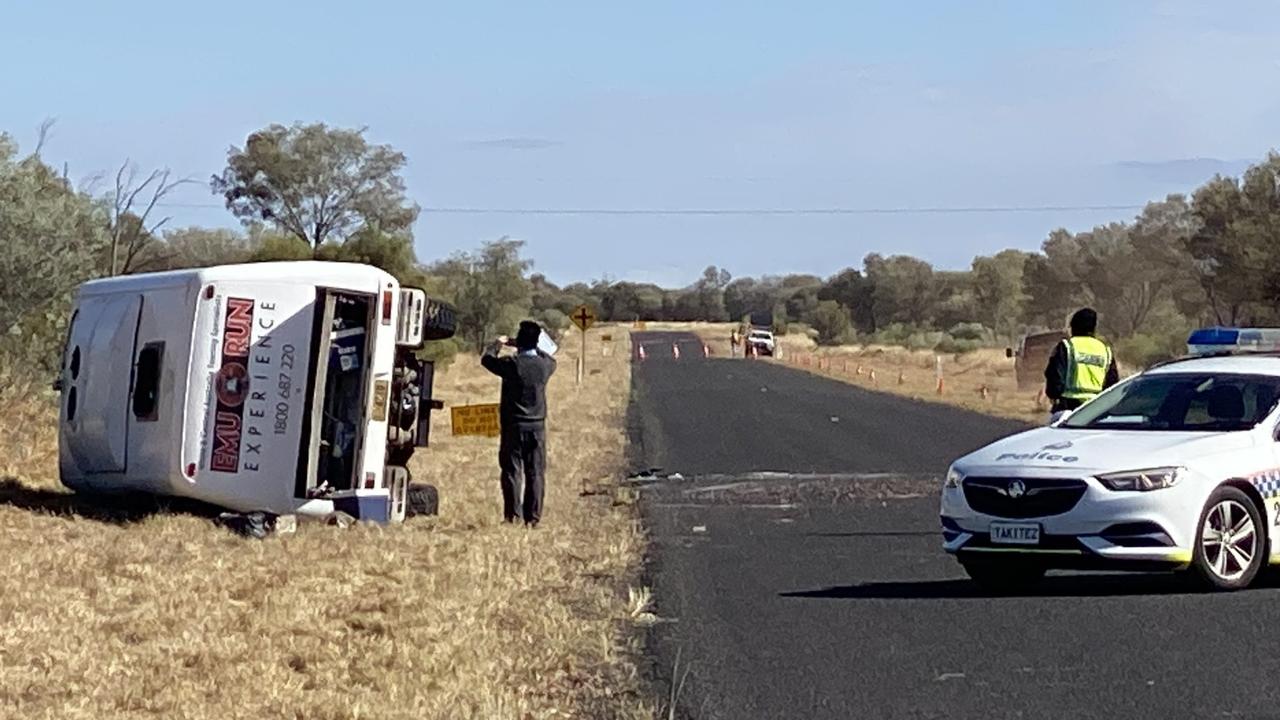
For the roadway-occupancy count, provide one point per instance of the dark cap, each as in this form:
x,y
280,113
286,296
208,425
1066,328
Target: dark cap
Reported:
x,y
1084,322
527,337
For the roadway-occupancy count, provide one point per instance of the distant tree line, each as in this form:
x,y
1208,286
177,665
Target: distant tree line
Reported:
x,y
1209,258
311,191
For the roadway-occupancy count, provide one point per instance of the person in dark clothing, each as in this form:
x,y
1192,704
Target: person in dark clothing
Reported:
x,y
522,450
1081,366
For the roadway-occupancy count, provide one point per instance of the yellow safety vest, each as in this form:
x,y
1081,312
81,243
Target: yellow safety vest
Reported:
x,y
1088,360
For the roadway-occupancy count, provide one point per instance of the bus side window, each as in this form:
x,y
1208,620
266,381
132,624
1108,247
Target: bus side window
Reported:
x,y
146,385
74,366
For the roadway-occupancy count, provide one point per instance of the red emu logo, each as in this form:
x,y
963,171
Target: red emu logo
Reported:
x,y
239,323
232,385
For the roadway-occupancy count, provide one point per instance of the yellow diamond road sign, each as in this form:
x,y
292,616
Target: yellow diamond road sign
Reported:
x,y
584,317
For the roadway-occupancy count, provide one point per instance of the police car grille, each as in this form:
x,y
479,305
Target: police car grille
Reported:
x,y
1040,497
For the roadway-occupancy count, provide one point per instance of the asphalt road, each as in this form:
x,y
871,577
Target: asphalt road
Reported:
x,y
798,573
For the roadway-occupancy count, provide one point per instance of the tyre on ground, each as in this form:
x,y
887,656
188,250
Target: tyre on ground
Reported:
x,y
1230,540
423,499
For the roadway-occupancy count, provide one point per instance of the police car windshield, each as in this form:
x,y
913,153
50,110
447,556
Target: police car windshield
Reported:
x,y
1181,402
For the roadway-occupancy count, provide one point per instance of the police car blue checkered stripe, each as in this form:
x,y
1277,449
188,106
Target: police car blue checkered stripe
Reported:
x,y
1268,483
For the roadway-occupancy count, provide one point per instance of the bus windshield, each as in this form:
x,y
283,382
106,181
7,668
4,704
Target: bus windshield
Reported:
x,y
340,361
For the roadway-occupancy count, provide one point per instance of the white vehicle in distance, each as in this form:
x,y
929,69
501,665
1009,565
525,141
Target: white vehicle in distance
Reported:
x,y
760,341
289,387
1175,468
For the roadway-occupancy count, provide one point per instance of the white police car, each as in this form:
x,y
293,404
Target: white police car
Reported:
x,y
1177,467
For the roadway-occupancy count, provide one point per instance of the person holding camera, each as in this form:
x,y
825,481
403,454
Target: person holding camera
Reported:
x,y
522,412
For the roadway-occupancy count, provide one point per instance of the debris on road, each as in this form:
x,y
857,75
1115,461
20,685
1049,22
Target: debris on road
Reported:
x,y
623,496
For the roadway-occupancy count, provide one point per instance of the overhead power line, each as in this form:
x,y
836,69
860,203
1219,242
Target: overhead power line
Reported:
x,y
779,211
954,210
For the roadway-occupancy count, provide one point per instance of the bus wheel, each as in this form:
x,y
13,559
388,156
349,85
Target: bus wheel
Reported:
x,y
423,499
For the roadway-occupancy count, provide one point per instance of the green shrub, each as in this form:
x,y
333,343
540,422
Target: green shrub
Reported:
x,y
277,247
441,352
1145,349
925,339
831,322
951,345
554,321
970,331
780,319
893,334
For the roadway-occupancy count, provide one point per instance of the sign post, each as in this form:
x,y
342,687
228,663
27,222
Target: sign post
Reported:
x,y
584,317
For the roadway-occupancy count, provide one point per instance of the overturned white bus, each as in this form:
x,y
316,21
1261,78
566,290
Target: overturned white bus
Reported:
x,y
287,387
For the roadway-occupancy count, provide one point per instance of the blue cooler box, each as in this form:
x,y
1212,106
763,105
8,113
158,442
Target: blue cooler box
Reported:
x,y
372,505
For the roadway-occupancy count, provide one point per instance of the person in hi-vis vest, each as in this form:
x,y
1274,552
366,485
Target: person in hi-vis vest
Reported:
x,y
1081,366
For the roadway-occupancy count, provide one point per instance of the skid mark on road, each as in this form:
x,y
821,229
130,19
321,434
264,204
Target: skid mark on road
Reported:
x,y
742,506
776,490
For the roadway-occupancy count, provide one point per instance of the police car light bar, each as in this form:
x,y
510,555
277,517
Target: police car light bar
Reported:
x,y
1218,340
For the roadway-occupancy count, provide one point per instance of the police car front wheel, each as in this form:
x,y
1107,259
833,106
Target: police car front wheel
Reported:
x,y
1230,540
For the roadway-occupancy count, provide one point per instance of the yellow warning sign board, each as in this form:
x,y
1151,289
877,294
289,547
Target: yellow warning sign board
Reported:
x,y
479,420
584,317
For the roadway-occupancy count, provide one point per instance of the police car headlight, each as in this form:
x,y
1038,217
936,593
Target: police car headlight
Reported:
x,y
953,479
1142,480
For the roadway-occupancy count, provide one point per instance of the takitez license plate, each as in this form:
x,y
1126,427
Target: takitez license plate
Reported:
x,y
1015,533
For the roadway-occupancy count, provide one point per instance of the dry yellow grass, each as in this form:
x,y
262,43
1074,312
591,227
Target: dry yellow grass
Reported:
x,y
460,616
982,380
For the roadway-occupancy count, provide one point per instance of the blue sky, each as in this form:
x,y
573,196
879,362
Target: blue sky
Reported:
x,y
715,104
